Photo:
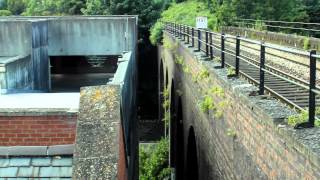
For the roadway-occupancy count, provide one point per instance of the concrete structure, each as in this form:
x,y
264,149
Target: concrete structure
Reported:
x,y
35,39
106,140
243,136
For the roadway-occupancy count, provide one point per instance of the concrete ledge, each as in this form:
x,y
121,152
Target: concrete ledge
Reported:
x,y
60,150
37,112
36,150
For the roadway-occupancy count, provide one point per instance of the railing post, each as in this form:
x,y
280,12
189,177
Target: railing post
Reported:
x,y
222,50
184,33
237,55
180,31
262,66
176,30
211,48
207,44
312,86
192,37
188,38
199,40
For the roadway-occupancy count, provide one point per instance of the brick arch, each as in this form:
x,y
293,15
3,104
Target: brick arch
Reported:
x,y
192,169
179,143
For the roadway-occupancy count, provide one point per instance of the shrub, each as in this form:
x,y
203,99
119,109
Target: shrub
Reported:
x,y
302,117
156,33
5,13
154,161
184,13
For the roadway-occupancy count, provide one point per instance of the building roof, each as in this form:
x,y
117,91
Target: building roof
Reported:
x,y
50,167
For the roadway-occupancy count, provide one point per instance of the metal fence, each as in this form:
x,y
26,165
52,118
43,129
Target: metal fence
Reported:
x,y
295,91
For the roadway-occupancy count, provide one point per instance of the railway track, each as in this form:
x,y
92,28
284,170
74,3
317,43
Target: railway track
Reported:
x,y
284,86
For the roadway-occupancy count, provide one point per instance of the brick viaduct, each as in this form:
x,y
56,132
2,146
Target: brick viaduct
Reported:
x,y
241,137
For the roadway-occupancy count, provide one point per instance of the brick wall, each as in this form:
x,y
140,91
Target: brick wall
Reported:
x,y
37,130
260,148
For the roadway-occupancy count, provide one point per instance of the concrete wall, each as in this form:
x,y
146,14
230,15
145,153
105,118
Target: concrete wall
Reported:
x,y
126,77
110,109
16,74
30,39
91,36
41,37
249,140
39,54
15,38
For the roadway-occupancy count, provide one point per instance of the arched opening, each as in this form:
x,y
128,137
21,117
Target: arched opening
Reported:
x,y
161,88
167,79
192,157
172,127
179,156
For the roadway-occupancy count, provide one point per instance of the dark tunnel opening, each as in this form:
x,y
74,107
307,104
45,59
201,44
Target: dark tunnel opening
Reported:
x,y
70,73
192,157
180,143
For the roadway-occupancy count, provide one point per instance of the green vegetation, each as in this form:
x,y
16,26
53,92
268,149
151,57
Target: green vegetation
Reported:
x,y
179,59
207,104
184,12
167,44
303,116
231,133
222,13
153,161
203,74
5,13
231,72
166,106
306,43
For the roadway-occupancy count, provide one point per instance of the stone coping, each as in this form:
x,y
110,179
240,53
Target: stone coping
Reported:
x,y
8,151
39,18
37,111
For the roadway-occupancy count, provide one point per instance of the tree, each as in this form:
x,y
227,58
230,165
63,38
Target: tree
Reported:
x,y
16,6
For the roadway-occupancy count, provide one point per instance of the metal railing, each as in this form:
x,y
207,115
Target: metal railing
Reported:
x,y
216,45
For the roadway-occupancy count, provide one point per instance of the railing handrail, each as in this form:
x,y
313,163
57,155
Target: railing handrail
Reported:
x,y
197,34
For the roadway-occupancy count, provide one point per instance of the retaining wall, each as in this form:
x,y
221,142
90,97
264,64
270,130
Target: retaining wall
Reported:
x,y
250,140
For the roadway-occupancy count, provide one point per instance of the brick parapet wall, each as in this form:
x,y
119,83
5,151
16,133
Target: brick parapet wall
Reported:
x,y
37,129
261,149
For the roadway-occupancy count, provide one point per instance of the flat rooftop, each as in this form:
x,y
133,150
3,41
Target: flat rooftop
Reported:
x,y
65,101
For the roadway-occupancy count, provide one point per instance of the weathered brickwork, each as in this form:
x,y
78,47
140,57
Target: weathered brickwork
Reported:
x,y
246,142
38,130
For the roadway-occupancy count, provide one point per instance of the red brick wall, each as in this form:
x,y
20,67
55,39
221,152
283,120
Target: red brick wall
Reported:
x,y
122,168
37,130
